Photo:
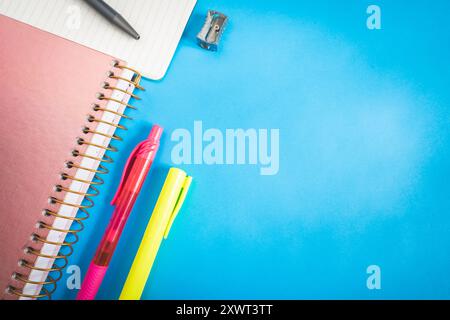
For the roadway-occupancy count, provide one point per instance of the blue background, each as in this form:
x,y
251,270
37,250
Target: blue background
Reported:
x,y
364,157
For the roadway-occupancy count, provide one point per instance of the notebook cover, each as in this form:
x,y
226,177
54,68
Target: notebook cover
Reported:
x,y
48,85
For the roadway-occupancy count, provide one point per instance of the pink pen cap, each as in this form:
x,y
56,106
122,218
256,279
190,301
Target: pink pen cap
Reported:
x,y
150,144
145,151
155,133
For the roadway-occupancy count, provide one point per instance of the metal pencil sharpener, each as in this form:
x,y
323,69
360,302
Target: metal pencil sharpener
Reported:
x,y
209,37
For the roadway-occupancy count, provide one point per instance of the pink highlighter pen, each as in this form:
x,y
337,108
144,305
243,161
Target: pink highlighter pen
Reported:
x,y
136,169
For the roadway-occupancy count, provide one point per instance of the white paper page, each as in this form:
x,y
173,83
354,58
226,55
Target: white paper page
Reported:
x,y
160,24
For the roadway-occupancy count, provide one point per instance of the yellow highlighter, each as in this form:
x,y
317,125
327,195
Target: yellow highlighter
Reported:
x,y
166,209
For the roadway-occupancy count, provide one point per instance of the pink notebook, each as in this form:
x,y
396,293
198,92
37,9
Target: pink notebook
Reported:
x,y
61,105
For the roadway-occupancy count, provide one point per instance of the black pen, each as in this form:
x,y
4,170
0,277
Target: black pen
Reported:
x,y
113,16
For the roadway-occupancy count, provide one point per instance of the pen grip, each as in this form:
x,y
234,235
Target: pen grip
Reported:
x,y
92,282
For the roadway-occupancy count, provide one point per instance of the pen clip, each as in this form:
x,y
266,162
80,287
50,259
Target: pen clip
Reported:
x,y
178,204
126,172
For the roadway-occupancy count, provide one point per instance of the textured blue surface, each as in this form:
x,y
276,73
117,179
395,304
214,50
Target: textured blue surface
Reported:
x,y
364,157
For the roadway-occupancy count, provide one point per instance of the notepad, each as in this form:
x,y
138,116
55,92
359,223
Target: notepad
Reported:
x,y
62,104
159,22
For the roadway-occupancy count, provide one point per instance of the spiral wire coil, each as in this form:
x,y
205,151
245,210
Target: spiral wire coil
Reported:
x,y
66,247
